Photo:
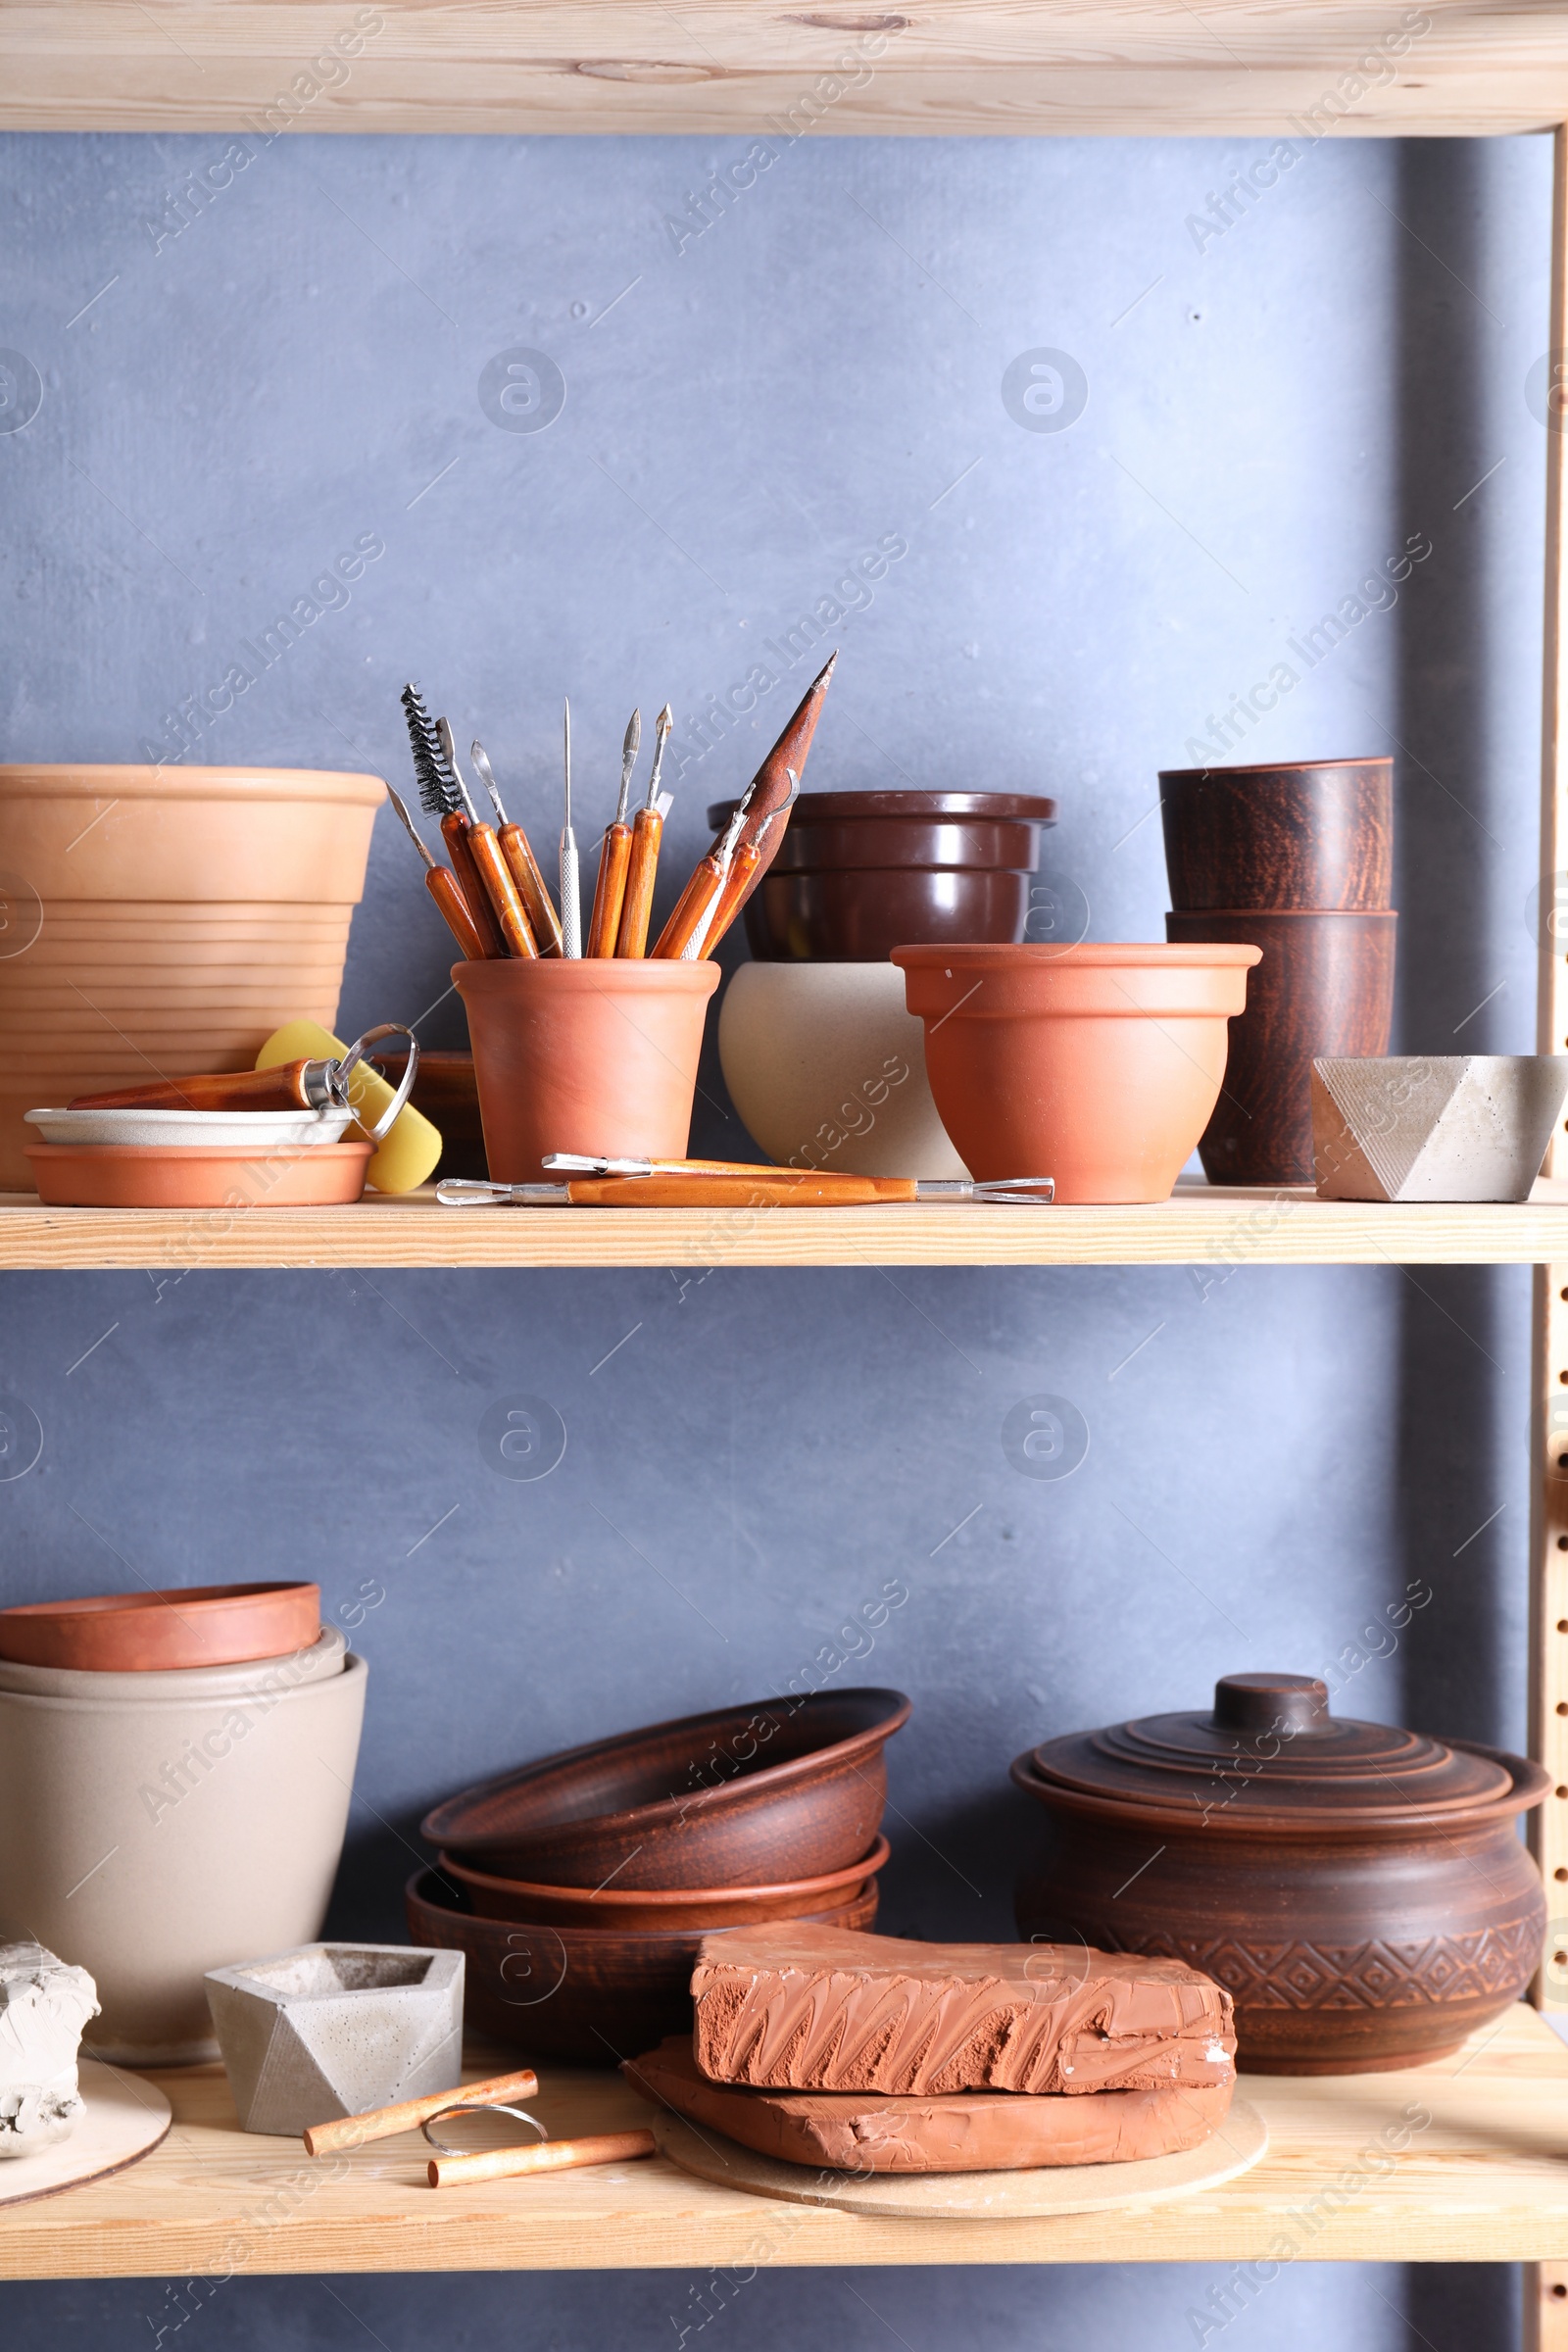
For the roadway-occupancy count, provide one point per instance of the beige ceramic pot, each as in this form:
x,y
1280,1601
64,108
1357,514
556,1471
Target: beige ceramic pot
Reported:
x,y
191,1821
176,913
827,1069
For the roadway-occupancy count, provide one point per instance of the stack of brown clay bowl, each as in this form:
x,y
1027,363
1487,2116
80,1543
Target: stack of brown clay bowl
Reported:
x,y
1298,861
581,1887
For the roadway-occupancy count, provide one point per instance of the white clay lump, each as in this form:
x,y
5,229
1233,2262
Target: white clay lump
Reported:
x,y
44,2004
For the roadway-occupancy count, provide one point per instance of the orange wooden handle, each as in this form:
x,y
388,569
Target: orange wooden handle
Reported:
x,y
767,1188
690,907
543,919
455,831
353,2130
549,2156
505,904
737,885
446,890
648,829
278,1089
609,890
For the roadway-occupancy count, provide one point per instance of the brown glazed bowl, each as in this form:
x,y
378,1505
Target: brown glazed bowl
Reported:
x,y
616,1906
1361,1891
859,874
596,1994
1308,834
743,1797
1324,977
150,1632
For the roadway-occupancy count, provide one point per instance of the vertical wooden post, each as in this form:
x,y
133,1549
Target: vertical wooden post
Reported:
x,y
1545,2312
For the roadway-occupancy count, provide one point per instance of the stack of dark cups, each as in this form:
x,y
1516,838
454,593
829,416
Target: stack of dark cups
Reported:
x,y
1298,861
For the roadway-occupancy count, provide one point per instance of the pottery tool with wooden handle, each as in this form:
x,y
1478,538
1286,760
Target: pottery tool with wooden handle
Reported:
x,y
441,798
571,894
682,935
495,874
648,828
409,1146
777,781
517,852
445,888
755,1187
744,868
380,2123
549,2156
614,855
320,1082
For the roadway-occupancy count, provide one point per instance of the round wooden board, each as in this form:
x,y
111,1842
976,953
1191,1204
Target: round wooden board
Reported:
x,y
1232,2147
126,2117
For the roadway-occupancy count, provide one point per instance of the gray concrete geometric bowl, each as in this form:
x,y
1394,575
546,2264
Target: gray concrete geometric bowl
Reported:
x,y
336,2028
1424,1127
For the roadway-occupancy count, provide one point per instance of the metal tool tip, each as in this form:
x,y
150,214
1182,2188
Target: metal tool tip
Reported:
x,y
634,731
665,719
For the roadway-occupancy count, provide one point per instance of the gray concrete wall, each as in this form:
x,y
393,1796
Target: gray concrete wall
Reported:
x,y
1269,412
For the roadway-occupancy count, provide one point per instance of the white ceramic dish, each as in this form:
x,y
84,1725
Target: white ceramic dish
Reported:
x,y
201,1128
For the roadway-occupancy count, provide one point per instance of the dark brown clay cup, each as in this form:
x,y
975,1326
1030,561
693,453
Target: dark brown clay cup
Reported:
x,y
1312,834
592,1054
1324,975
859,874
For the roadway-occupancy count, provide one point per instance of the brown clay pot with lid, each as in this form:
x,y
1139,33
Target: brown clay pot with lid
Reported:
x,y
1361,1892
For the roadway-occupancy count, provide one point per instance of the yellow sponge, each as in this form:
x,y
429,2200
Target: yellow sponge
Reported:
x,y
408,1153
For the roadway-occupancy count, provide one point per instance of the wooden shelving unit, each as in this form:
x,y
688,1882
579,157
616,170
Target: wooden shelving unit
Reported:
x,y
1465,2161
1483,2179
1199,1225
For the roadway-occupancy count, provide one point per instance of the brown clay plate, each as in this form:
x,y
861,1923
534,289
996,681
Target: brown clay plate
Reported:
x,y
140,1633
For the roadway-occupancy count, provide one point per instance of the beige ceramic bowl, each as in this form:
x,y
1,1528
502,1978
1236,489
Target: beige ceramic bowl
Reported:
x,y
827,1068
151,1835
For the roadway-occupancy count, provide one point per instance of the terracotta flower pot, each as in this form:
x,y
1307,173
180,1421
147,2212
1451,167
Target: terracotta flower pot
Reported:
x,y
186,911
1313,833
594,1054
1361,1891
827,1069
1097,1064
1325,988
154,1832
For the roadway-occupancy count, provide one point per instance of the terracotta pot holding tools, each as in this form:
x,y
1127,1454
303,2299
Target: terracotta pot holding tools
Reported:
x,y
1325,987
1361,1892
594,1054
826,1067
858,873
159,1824
743,1797
591,1994
1308,834
174,914
1097,1064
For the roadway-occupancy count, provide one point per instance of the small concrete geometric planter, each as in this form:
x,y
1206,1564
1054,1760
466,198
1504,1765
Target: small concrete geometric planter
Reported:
x,y
336,2028
1452,1127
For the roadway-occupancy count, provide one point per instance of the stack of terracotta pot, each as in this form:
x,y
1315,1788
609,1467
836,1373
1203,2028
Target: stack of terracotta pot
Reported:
x,y
1297,860
177,1770
581,1887
161,919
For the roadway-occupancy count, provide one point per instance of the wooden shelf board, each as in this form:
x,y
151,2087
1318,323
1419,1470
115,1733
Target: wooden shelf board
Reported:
x,y
1222,1226
1253,68
1352,2172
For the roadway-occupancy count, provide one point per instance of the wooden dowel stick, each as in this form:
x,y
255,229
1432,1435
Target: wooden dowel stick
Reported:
x,y
352,2131
548,2156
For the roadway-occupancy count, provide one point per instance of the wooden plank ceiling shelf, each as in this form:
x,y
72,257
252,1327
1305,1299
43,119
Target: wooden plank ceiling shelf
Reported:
x,y
1223,1226
1464,2161
1240,68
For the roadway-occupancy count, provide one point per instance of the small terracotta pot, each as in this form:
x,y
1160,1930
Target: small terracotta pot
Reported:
x,y
1325,987
1311,833
1097,1064
592,1054
135,1632
674,1907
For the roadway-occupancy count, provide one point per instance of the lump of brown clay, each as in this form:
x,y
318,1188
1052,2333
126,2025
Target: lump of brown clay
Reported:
x,y
955,2132
807,2008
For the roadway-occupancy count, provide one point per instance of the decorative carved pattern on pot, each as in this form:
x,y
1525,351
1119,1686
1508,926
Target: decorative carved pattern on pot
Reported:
x,y
1493,1964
